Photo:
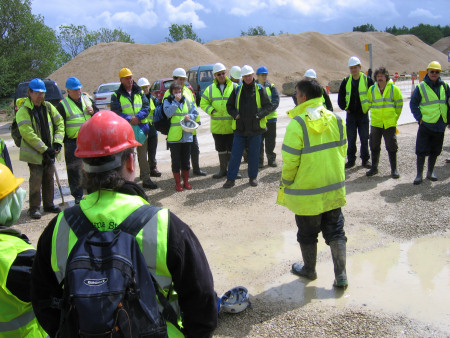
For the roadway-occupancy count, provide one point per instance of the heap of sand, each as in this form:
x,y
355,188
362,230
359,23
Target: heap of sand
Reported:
x,y
287,56
442,45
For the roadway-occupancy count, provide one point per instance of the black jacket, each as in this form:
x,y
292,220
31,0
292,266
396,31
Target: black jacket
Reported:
x,y
354,106
249,117
186,262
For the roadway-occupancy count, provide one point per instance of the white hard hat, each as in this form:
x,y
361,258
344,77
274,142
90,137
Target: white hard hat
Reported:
x,y
247,70
188,125
311,73
354,61
235,300
235,72
179,72
218,67
143,82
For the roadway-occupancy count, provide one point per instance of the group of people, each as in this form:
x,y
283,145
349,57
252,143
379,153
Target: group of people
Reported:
x,y
312,181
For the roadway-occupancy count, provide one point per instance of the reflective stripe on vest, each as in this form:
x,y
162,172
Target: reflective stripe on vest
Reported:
x,y
74,117
362,91
2,147
431,106
132,108
272,115
385,102
308,149
18,322
175,131
221,121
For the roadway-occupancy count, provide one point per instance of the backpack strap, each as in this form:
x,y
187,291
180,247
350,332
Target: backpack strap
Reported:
x,y
137,219
81,225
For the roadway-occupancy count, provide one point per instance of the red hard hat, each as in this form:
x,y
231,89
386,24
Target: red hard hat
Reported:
x,y
106,133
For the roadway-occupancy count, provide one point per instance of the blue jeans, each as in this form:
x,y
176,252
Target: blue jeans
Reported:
x,y
357,124
239,143
73,165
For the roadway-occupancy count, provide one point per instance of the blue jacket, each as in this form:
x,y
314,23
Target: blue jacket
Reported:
x,y
416,97
171,105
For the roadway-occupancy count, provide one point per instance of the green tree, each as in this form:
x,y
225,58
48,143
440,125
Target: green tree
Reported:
x,y
75,39
28,48
364,28
106,35
180,32
254,31
427,33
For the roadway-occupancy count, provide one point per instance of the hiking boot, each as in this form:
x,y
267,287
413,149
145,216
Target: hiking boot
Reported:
x,y
366,164
199,172
253,182
432,176
308,270
35,214
349,164
273,164
228,184
154,172
149,184
53,209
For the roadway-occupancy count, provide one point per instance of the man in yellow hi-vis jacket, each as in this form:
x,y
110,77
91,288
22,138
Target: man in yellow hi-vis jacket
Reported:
x,y
313,179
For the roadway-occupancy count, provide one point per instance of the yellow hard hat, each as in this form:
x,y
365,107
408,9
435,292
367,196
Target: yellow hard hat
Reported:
x,y
124,72
8,183
435,66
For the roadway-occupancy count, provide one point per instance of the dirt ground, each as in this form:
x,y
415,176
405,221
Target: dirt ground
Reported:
x,y
398,258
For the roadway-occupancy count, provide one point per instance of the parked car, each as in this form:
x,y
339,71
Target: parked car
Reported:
x,y
160,86
200,77
102,96
52,95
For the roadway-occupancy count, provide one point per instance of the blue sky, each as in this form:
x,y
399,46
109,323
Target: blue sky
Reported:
x,y
147,21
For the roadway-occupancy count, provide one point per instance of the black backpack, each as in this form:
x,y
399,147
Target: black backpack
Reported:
x,y
108,289
160,120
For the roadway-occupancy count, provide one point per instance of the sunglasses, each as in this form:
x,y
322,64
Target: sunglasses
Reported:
x,y
435,72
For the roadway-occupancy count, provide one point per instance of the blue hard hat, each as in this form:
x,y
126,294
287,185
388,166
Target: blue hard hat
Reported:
x,y
73,83
37,85
262,70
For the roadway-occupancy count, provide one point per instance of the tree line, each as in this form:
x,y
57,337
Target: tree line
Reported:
x,y
427,33
29,48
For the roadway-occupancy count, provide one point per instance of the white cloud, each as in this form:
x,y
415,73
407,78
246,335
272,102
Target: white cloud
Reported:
x,y
422,13
184,13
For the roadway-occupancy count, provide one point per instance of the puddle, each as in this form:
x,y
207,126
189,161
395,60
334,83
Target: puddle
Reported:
x,y
411,278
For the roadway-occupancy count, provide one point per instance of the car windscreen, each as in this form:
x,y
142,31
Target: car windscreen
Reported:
x,y
108,88
53,92
206,76
167,84
21,90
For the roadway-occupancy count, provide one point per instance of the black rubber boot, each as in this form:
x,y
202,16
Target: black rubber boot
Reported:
x,y
393,162
420,163
338,253
223,166
431,162
308,270
374,169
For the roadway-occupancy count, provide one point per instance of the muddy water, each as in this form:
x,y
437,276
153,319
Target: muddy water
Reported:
x,y
411,279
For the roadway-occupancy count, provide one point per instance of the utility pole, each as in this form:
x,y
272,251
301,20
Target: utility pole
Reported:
x,y
369,49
